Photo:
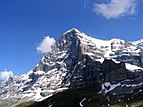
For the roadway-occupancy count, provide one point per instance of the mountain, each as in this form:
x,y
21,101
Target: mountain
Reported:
x,y
77,60
138,42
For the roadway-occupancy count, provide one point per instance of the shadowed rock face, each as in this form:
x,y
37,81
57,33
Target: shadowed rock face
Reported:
x,y
114,72
89,72
132,59
85,73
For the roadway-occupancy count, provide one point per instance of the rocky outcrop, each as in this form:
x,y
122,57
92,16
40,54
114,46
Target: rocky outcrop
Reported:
x,y
114,71
86,73
89,72
132,59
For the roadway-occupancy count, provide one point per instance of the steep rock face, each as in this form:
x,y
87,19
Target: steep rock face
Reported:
x,y
66,53
66,49
89,72
128,53
86,72
135,59
113,71
78,60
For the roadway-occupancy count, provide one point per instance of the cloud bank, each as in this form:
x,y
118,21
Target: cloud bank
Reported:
x,y
115,8
45,45
4,75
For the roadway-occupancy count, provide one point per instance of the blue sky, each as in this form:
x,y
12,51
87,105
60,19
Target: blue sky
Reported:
x,y
25,23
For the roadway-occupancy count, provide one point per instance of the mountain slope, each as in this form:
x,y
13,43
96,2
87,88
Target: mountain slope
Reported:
x,y
115,66
88,97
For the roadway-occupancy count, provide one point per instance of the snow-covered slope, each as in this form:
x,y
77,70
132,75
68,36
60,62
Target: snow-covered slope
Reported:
x,y
59,67
138,42
117,49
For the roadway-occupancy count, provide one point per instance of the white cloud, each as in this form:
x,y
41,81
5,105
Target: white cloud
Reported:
x,y
115,8
4,75
45,45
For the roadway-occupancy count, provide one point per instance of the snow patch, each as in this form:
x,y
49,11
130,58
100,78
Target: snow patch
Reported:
x,y
39,72
107,87
81,105
38,95
132,67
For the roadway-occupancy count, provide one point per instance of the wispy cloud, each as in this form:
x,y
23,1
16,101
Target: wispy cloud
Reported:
x,y
115,8
45,45
86,2
4,75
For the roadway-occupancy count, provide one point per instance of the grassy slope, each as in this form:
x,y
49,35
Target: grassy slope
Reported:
x,y
72,97
26,104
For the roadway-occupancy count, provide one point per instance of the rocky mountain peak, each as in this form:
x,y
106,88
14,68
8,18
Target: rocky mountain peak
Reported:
x,y
78,60
73,30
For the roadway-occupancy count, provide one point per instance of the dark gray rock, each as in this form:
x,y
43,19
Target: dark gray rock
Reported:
x,y
113,71
132,59
86,72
